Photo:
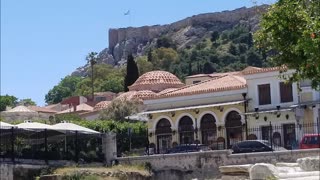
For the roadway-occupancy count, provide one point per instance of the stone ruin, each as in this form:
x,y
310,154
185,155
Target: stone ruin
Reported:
x,y
307,168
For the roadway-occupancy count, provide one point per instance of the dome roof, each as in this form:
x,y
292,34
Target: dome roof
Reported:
x,y
136,95
156,81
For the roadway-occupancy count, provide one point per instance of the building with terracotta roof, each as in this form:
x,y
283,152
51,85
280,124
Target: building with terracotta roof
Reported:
x,y
234,101
28,113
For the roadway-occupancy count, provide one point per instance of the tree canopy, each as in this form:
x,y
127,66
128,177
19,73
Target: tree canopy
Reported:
x,y
66,88
119,109
27,102
290,35
7,100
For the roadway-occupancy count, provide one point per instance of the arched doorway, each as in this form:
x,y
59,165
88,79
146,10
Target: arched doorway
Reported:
x,y
233,128
208,129
186,130
276,138
164,135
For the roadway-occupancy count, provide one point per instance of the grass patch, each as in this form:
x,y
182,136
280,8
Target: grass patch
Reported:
x,y
102,173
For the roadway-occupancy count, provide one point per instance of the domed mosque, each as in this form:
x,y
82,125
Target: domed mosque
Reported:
x,y
151,83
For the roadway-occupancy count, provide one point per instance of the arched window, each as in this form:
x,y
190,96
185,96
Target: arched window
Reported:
x,y
163,126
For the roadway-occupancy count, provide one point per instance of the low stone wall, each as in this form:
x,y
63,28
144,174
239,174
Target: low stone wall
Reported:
x,y
206,164
19,171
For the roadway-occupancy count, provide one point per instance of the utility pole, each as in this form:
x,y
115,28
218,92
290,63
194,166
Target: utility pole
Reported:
x,y
92,59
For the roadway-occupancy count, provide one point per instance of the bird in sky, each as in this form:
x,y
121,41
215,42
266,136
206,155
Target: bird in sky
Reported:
x,y
127,13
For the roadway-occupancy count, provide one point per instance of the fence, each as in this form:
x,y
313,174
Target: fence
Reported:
x,y
277,136
131,143
44,144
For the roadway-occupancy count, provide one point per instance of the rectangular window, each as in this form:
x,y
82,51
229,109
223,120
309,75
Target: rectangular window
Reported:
x,y
195,82
286,92
264,94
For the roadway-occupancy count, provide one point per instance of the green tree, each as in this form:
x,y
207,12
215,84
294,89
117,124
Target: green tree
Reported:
x,y
132,72
290,33
253,58
119,109
57,94
27,102
66,88
214,36
208,68
165,42
7,100
233,49
164,58
144,65
113,84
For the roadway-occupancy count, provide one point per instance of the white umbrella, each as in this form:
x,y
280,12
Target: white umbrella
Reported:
x,y
65,126
34,126
4,125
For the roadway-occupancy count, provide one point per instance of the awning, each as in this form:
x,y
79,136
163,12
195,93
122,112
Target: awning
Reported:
x,y
193,107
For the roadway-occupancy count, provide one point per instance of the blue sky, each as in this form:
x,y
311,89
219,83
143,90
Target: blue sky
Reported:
x,y
43,41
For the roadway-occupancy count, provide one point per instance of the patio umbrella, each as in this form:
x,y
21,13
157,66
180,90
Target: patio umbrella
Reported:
x,y
4,125
34,126
65,126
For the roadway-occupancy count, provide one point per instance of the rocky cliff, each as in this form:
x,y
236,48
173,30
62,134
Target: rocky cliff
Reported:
x,y
138,40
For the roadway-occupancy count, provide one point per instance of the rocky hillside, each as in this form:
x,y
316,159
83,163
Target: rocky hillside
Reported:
x,y
183,33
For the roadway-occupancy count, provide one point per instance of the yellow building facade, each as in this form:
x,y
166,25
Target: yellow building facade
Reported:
x,y
223,108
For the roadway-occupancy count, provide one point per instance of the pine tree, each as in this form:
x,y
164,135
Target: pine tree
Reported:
x,y
132,72
150,55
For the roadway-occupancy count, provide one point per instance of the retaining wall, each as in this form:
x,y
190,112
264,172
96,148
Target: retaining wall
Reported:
x,y
206,164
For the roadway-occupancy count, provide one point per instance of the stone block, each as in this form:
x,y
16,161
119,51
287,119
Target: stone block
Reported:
x,y
235,169
51,177
227,177
263,171
309,163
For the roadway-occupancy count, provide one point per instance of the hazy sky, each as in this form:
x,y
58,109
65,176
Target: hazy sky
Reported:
x,y
43,41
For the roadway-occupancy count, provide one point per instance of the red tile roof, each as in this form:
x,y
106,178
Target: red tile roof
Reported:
x,y
255,70
137,95
102,105
223,83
